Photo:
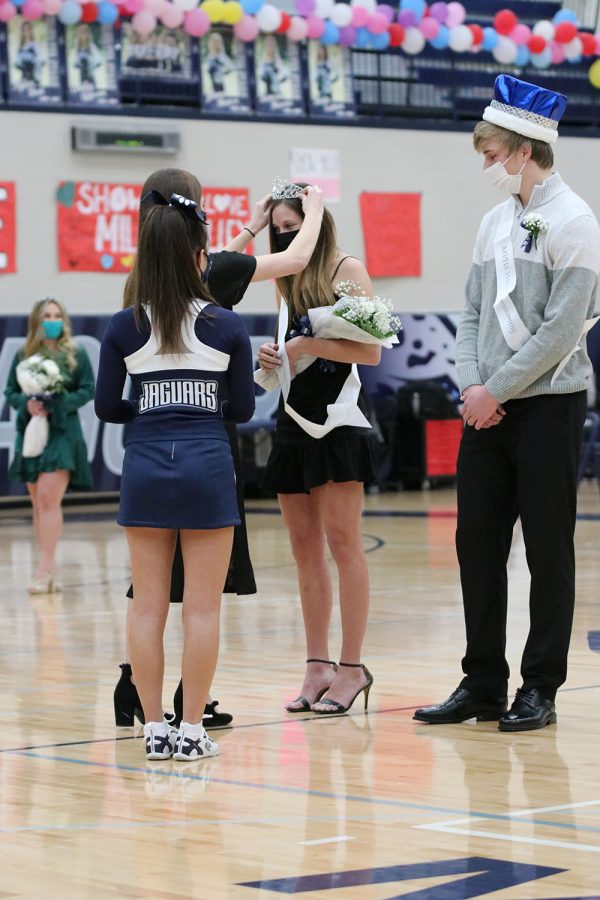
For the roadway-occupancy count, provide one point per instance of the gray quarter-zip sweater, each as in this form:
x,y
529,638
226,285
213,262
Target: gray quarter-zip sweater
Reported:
x,y
556,291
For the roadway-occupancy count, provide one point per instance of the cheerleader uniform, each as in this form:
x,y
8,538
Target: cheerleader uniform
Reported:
x,y
298,462
178,467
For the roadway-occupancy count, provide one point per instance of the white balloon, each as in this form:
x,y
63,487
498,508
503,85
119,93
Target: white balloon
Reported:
x,y
505,51
341,15
460,38
324,8
185,5
573,49
370,5
413,41
544,28
268,18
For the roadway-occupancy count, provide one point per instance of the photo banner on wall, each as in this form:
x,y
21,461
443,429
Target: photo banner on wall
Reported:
x,y
97,226
8,231
224,73
330,80
33,69
392,214
228,210
91,64
163,54
277,73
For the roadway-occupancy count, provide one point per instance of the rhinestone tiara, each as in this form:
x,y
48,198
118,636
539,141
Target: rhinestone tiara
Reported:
x,y
282,189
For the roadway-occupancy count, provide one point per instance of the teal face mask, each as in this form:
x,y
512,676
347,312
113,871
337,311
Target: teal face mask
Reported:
x,y
53,328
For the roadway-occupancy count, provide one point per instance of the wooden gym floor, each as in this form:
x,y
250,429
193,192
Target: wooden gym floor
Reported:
x,y
363,806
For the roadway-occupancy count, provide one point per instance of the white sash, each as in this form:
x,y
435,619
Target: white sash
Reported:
x,y
344,411
514,330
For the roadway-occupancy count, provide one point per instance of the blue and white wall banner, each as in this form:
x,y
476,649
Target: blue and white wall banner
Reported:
x,y
330,80
163,54
277,75
33,65
91,64
224,73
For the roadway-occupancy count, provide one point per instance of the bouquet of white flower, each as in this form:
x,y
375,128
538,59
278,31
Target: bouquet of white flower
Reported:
x,y
354,317
39,378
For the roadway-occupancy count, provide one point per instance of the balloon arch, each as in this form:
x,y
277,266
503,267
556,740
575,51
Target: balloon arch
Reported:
x,y
363,24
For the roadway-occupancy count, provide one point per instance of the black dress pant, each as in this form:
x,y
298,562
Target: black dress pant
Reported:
x,y
524,467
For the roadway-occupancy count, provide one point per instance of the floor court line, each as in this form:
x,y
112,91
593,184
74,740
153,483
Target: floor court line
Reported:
x,y
540,842
328,795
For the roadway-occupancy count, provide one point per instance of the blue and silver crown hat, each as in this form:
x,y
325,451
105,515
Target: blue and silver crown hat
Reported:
x,y
526,108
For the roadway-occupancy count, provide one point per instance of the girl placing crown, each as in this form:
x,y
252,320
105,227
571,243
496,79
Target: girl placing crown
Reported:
x,y
319,480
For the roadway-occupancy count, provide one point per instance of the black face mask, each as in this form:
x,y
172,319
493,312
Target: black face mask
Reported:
x,y
283,241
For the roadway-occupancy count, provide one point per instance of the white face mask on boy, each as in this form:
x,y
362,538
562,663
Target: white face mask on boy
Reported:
x,y
500,178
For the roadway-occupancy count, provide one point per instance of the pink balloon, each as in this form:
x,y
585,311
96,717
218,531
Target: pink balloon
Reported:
x,y
557,53
360,16
377,23
134,6
196,23
298,29
520,34
7,11
52,7
429,27
246,29
386,11
32,9
597,36
316,27
171,16
455,14
155,6
144,22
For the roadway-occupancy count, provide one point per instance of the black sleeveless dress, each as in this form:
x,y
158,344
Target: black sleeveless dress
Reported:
x,y
298,462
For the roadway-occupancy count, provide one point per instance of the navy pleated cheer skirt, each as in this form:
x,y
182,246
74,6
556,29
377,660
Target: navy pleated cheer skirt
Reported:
x,y
179,484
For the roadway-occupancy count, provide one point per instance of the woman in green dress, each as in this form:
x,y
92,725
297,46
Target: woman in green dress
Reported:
x,y
63,461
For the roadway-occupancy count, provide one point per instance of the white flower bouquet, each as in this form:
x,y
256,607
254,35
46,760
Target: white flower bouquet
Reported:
x,y
39,378
353,317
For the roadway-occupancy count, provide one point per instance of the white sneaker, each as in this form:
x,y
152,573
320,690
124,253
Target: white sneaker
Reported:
x,y
160,740
192,742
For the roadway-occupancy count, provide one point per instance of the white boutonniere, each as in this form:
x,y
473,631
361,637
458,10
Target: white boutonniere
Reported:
x,y
535,225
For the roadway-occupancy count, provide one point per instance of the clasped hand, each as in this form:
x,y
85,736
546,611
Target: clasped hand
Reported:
x,y
480,409
36,407
269,358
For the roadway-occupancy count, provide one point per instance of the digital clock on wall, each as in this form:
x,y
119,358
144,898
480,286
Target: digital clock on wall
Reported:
x,y
115,138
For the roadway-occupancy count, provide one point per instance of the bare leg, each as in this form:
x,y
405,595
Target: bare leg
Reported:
x,y
302,517
151,551
206,558
32,488
48,517
341,506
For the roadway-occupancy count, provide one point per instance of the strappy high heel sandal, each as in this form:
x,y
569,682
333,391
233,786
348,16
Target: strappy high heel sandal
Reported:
x,y
338,708
305,705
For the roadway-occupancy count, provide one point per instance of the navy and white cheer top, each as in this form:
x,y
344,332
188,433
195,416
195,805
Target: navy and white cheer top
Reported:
x,y
176,396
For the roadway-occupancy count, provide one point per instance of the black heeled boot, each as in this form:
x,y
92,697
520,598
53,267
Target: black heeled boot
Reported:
x,y
127,700
212,718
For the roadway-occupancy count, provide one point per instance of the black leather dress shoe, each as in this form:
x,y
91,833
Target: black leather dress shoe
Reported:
x,y
530,710
460,706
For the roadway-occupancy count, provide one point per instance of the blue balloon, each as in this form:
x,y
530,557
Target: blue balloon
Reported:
x,y
542,60
362,38
523,56
415,6
251,7
565,15
107,13
574,60
70,13
490,38
18,3
440,41
379,41
331,34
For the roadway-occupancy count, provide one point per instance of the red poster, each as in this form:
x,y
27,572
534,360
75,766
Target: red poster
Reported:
x,y
8,228
228,210
392,232
97,226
